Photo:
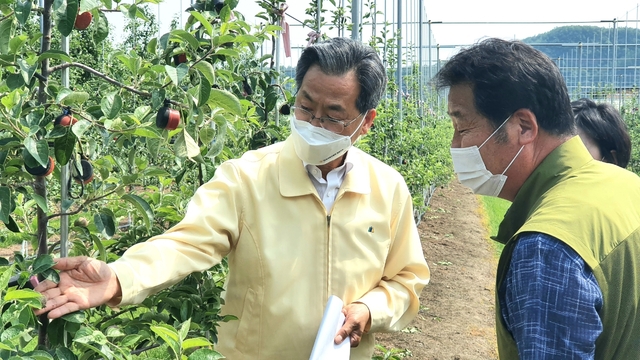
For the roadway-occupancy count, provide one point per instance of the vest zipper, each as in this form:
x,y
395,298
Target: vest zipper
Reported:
x,y
328,220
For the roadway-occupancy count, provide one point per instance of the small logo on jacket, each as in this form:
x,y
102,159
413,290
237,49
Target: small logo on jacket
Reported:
x,y
371,229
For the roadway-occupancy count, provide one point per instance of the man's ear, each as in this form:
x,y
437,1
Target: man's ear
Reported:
x,y
368,121
527,126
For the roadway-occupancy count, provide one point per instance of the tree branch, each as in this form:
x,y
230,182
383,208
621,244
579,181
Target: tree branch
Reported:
x,y
81,207
101,75
6,17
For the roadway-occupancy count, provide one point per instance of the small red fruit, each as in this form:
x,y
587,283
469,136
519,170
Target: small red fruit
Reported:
x,y
65,120
87,173
167,118
41,170
83,20
179,59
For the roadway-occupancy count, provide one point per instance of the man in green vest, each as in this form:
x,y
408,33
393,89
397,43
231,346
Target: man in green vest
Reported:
x,y
568,283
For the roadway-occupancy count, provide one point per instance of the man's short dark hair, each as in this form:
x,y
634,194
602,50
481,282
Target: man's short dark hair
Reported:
x,y
509,75
337,57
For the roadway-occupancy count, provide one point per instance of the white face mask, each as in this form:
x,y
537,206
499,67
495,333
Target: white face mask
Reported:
x,y
472,172
317,146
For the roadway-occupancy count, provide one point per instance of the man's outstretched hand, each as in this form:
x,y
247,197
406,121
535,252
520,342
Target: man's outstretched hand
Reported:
x,y
84,283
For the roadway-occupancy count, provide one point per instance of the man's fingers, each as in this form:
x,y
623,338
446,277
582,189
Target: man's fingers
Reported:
x,y
69,263
63,310
44,286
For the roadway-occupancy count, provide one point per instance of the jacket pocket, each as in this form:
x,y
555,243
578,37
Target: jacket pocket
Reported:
x,y
247,333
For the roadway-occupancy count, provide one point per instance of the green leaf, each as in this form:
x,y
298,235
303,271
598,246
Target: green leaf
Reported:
x,y
180,36
80,127
23,10
15,81
157,98
15,44
5,275
40,355
63,147
205,354
195,342
225,14
207,134
228,52
77,317
22,294
7,29
51,275
88,5
65,354
12,225
246,38
42,263
206,69
101,27
203,91
142,206
73,98
147,132
225,100
26,70
169,335
153,171
185,146
5,203
55,54
42,202
184,329
39,149
105,223
206,24
65,15
152,46
111,105
176,74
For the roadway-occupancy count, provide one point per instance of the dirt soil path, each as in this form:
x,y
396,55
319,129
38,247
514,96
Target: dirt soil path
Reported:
x,y
456,318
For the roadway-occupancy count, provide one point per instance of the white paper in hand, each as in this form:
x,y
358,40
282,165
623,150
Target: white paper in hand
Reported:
x,y
324,348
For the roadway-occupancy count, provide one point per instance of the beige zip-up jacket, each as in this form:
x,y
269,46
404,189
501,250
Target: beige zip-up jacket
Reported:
x,y
287,255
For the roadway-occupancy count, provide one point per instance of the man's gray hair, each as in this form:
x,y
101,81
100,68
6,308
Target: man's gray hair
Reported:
x,y
339,56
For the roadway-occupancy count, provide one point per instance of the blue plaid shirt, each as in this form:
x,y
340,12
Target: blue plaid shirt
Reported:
x,y
550,300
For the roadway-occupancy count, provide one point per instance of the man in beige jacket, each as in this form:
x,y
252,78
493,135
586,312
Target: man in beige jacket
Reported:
x,y
300,221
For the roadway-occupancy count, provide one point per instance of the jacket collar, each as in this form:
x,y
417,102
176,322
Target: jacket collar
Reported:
x,y
294,179
567,157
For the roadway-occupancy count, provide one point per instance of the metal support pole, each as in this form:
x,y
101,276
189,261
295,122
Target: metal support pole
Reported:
x,y
355,19
580,69
420,50
613,63
319,15
399,49
277,52
429,35
64,172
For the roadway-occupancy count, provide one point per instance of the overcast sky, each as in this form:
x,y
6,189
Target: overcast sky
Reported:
x,y
566,12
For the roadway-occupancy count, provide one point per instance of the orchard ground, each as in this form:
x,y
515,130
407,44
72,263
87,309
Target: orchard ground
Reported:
x,y
456,317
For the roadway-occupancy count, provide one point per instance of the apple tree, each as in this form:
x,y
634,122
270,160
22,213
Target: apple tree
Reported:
x,y
114,144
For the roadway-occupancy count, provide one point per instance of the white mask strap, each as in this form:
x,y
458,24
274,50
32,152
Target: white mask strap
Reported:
x,y
493,133
514,159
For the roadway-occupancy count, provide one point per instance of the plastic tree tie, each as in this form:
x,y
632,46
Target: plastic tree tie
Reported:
x,y
286,35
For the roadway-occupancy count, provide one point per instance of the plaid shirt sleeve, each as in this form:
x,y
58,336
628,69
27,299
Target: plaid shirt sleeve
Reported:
x,y
550,300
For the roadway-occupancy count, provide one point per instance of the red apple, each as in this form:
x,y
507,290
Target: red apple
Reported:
x,y
83,20
65,120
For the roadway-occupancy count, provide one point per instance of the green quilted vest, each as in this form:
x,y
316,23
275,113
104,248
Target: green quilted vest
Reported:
x,y
594,208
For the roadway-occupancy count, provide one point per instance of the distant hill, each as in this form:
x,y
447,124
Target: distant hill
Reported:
x,y
592,63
